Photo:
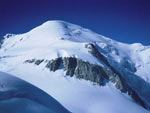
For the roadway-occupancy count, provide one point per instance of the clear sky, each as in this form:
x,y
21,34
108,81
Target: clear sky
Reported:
x,y
122,20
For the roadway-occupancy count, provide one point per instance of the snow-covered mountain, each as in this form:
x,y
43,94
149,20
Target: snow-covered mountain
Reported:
x,y
18,96
86,72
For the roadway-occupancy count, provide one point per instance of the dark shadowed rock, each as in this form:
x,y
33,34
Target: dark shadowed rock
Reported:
x,y
53,65
70,65
30,61
38,62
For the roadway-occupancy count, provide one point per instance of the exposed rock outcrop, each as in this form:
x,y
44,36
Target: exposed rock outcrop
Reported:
x,y
79,68
53,65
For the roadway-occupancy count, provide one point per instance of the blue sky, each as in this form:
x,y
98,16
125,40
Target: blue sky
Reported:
x,y
122,20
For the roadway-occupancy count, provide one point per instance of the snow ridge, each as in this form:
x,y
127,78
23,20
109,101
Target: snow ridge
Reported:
x,y
18,96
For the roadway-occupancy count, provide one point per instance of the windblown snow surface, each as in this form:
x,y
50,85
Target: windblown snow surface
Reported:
x,y
18,96
55,39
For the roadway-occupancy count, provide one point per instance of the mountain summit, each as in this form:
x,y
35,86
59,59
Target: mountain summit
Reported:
x,y
86,72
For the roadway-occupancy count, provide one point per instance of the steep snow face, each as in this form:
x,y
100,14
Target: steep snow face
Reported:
x,y
141,57
55,39
18,96
133,57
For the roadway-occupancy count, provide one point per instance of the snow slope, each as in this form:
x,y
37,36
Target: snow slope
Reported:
x,y
79,96
55,39
18,96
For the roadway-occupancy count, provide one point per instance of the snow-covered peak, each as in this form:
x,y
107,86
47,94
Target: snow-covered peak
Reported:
x,y
51,40
138,47
61,30
57,38
51,30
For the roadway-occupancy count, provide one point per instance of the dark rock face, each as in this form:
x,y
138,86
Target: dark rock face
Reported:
x,y
30,61
53,65
87,71
90,72
93,50
79,68
38,62
1,43
70,65
114,76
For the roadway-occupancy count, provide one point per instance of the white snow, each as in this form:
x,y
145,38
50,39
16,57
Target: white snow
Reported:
x,y
78,96
18,96
137,55
55,39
